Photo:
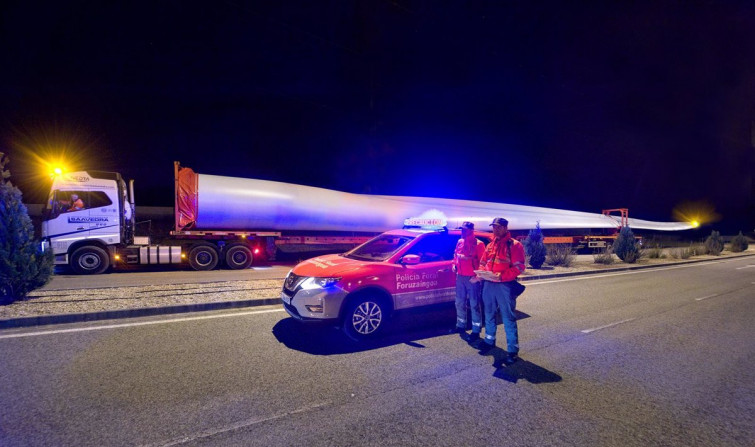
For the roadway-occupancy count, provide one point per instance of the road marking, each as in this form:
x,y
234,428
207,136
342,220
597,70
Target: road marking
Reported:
x,y
142,323
587,331
234,426
706,297
633,272
746,267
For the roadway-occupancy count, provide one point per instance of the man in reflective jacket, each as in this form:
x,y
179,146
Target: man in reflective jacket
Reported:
x,y
504,260
467,257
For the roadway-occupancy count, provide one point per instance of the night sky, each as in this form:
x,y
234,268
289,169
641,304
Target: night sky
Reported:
x,y
645,105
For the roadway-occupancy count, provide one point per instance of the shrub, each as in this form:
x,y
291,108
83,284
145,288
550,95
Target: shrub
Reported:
x,y
632,256
604,256
739,243
680,253
696,250
626,246
560,254
655,252
714,245
23,266
535,248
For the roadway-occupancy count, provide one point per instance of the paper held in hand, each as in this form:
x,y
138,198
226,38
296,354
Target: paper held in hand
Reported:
x,y
486,275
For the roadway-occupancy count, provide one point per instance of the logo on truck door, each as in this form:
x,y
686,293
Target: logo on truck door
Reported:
x,y
84,219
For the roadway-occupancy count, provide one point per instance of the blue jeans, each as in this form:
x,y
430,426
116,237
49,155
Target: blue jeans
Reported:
x,y
496,294
466,290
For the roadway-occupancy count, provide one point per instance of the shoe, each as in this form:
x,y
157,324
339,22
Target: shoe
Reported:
x,y
458,330
486,347
510,359
473,337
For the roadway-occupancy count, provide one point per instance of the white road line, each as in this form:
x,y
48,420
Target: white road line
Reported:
x,y
235,426
142,323
746,267
632,272
706,297
587,331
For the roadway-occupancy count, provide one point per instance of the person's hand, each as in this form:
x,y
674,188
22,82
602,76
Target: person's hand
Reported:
x,y
475,279
453,268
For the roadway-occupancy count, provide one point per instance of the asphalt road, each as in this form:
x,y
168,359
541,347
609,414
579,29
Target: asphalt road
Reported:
x,y
651,357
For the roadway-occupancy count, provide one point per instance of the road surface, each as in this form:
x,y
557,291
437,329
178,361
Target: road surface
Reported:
x,y
650,357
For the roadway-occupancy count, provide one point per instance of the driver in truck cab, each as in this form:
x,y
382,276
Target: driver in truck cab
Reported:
x,y
76,203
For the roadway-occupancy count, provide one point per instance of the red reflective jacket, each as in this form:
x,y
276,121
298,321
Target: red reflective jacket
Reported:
x,y
467,255
504,256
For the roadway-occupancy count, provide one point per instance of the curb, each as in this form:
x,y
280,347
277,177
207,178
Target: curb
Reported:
x,y
199,307
131,313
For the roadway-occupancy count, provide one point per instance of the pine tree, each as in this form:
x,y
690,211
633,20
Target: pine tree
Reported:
x,y
535,248
739,243
625,246
714,244
23,265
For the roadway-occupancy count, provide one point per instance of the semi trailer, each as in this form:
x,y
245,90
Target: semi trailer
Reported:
x,y
90,224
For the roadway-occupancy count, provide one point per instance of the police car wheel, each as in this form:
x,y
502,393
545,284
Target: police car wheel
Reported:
x,y
364,318
90,260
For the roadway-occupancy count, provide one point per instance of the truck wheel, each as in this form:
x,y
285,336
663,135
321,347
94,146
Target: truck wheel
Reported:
x,y
203,257
238,257
90,260
365,317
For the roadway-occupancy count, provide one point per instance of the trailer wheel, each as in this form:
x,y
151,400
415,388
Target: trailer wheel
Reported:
x,y
365,317
203,257
238,257
90,260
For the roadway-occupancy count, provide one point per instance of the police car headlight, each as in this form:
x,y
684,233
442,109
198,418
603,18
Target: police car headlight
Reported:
x,y
319,283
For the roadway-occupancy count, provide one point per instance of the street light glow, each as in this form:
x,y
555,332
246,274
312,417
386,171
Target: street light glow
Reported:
x,y
696,213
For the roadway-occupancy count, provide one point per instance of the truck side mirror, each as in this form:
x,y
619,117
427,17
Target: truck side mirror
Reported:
x,y
410,260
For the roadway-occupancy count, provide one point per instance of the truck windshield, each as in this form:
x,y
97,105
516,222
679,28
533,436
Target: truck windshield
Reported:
x,y
379,249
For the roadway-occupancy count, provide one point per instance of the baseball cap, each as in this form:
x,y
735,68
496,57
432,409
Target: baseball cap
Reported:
x,y
468,225
500,221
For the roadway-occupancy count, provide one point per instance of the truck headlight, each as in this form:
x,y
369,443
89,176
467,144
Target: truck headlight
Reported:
x,y
318,283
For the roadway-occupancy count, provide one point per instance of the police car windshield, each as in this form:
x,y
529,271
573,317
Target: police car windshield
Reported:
x,y
379,249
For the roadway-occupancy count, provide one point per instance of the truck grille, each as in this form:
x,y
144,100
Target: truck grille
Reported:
x,y
292,283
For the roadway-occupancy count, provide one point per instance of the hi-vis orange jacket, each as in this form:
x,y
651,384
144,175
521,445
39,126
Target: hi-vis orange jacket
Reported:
x,y
467,255
505,256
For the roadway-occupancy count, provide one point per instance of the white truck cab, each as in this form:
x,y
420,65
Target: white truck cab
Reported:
x,y
86,215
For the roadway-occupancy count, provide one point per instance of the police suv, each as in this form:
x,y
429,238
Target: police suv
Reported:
x,y
360,289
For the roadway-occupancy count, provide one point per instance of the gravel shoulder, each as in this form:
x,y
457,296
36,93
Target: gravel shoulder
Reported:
x,y
42,303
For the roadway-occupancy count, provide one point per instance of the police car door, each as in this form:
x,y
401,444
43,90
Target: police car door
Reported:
x,y
431,281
